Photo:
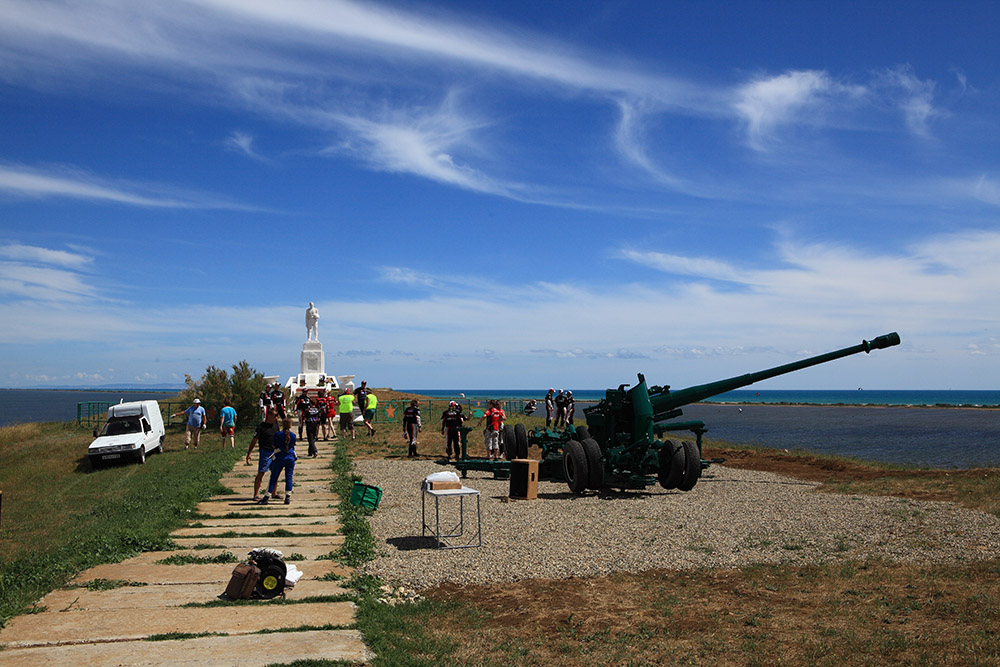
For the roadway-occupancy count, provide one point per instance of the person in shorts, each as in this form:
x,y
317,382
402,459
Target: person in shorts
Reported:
x,y
345,409
263,438
323,403
227,424
369,415
494,424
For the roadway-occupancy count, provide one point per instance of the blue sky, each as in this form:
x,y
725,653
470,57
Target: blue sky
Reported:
x,y
500,195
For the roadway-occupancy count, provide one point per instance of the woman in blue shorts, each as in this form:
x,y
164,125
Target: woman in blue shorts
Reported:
x,y
284,459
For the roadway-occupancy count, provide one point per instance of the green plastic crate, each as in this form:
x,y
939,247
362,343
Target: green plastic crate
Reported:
x,y
364,495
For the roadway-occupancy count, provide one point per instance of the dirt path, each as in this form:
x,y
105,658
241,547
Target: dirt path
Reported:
x,y
112,626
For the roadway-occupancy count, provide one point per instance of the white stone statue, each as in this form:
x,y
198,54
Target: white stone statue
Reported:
x,y
312,322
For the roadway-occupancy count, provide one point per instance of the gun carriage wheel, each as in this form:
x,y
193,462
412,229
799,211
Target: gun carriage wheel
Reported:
x,y
595,464
521,438
672,464
575,467
692,467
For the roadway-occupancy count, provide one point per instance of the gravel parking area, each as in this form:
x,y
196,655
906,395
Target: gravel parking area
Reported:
x,y
730,519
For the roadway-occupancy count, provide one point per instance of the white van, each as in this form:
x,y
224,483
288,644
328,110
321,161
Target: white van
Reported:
x,y
132,430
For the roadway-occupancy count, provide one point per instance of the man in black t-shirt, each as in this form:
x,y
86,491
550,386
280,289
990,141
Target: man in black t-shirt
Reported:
x,y
301,405
313,414
263,438
278,400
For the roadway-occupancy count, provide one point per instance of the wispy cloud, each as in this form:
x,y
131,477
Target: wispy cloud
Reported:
x,y
767,103
913,97
700,267
36,254
241,142
64,183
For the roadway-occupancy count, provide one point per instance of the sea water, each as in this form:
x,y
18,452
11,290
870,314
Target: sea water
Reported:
x,y
842,423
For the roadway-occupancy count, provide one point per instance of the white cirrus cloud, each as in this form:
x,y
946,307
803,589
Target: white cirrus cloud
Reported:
x,y
65,183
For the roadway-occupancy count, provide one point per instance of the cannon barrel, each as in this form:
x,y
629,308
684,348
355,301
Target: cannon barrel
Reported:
x,y
668,400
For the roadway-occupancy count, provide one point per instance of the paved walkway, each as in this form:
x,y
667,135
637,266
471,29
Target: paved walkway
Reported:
x,y
110,627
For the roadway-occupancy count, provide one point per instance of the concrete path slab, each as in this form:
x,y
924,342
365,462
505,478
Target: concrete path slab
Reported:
x,y
310,552
246,507
265,519
190,574
84,627
52,628
255,529
167,595
240,651
241,545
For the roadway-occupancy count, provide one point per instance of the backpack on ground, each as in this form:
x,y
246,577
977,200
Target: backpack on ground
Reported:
x,y
243,581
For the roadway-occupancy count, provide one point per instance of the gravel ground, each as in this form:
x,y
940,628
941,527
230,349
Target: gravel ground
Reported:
x,y
731,518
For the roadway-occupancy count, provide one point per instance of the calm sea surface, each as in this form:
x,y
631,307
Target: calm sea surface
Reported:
x,y
839,422
830,422
59,405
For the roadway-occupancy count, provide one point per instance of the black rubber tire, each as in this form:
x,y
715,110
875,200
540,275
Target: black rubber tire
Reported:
x,y
582,433
141,456
271,581
159,446
692,469
678,463
595,464
521,437
96,463
575,467
509,442
665,460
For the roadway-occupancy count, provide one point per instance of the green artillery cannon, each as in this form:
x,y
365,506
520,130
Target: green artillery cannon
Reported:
x,y
621,446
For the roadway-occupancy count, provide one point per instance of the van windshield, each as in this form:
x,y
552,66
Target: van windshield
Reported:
x,y
122,426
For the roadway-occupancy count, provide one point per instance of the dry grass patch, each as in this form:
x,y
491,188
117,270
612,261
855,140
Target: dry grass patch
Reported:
x,y
854,613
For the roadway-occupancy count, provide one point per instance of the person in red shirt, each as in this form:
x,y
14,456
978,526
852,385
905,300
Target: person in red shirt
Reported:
x,y
494,423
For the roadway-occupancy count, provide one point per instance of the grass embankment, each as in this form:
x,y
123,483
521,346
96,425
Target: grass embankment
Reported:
x,y
851,612
61,517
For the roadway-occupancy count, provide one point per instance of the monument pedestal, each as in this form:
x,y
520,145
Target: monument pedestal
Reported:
x,y
312,360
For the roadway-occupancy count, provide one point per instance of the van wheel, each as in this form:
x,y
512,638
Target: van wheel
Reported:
x,y
159,447
142,454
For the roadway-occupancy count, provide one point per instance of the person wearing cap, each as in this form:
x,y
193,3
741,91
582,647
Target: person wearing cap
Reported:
x,y
451,420
550,407
197,420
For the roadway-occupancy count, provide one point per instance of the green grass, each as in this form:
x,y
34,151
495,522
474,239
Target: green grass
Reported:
x,y
188,559
110,584
60,517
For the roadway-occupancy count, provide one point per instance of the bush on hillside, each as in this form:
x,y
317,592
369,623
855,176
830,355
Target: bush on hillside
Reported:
x,y
241,387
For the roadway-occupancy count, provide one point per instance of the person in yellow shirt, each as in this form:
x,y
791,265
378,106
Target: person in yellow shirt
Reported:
x,y
369,415
345,404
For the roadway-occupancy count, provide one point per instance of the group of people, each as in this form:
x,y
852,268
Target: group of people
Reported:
x,y
197,421
317,415
562,405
